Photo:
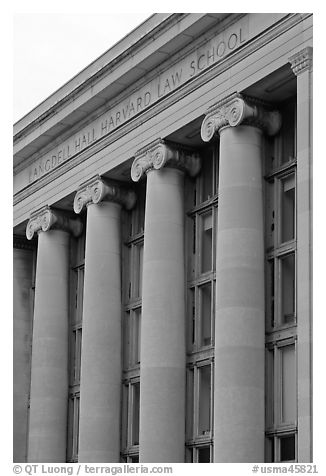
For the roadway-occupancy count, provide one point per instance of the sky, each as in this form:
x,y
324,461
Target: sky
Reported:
x,y
51,48
53,41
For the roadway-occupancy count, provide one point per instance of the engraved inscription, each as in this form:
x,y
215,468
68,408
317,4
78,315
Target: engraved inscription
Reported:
x,y
165,83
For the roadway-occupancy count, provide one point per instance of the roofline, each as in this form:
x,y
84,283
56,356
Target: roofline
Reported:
x,y
95,68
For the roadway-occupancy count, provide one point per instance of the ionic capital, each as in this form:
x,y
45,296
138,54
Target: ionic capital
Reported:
x,y
301,61
47,218
160,153
97,189
237,109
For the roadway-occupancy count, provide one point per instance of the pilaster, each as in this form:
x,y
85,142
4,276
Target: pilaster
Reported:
x,y
302,60
23,268
302,66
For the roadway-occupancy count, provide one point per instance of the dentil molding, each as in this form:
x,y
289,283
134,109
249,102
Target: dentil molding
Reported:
x,y
47,218
160,153
21,243
237,109
98,189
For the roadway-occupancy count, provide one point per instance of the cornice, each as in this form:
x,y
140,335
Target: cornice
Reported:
x,y
237,109
160,153
47,219
98,189
122,96
302,60
97,75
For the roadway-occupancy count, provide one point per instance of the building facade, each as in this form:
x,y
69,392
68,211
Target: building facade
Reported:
x,y
162,249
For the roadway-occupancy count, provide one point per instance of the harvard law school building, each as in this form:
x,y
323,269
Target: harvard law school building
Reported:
x,y
162,249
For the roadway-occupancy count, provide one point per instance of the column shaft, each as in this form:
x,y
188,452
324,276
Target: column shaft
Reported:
x,y
49,380
239,320
162,387
100,386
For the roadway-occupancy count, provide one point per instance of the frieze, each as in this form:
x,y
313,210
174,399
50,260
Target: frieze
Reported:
x,y
166,82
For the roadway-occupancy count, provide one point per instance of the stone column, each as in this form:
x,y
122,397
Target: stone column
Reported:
x,y
49,376
162,360
302,66
240,313
23,257
100,382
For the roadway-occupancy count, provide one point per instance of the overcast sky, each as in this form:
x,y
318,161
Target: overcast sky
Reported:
x,y
53,41
51,48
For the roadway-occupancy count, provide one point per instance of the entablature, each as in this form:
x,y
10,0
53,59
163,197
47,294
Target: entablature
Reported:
x,y
117,70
